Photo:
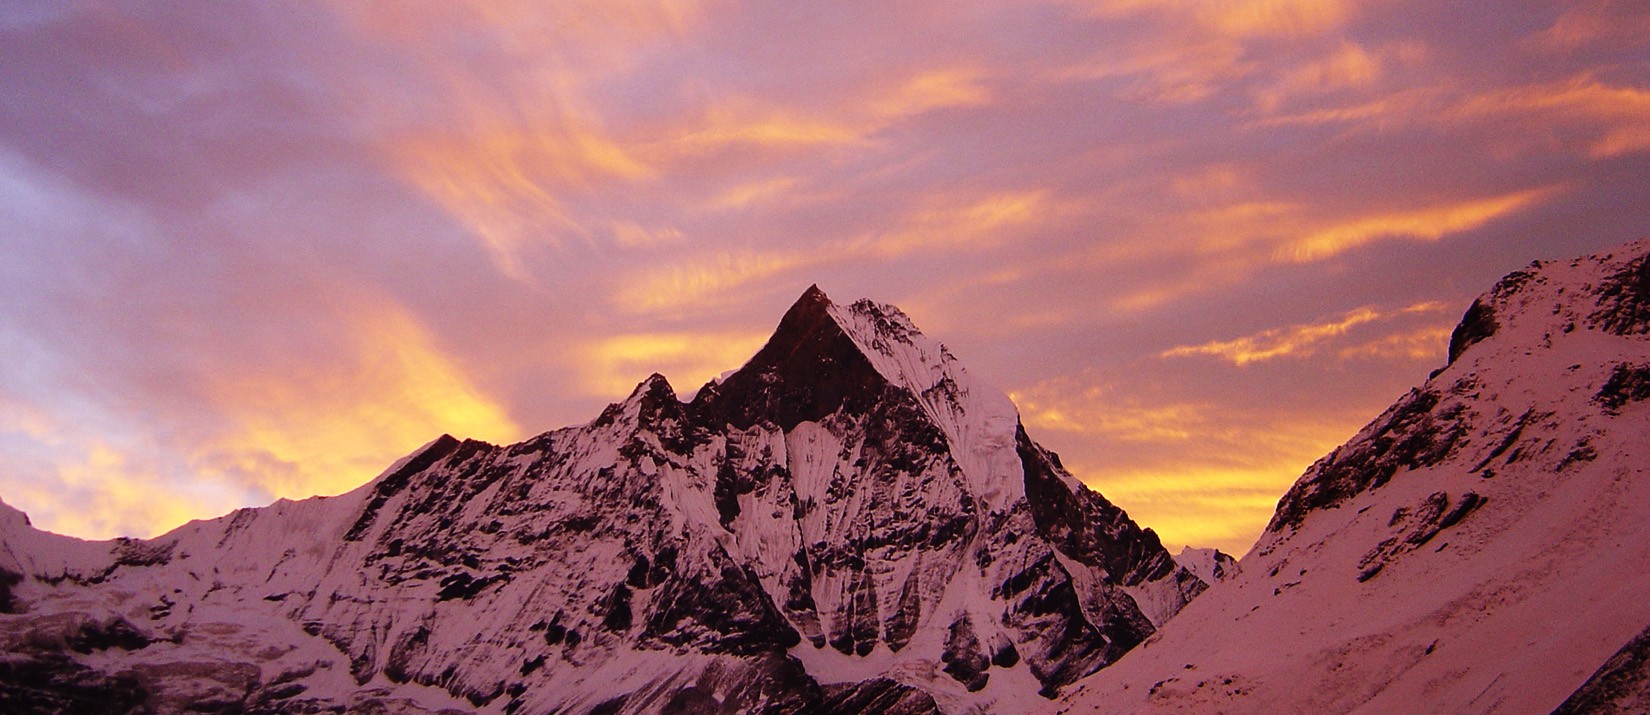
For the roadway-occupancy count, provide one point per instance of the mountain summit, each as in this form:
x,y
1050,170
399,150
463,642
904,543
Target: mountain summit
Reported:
x,y
848,523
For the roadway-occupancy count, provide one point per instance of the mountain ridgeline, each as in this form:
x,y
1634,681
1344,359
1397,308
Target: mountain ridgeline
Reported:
x,y
848,523
851,524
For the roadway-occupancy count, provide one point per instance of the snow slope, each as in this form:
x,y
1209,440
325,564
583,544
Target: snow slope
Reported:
x,y
1483,546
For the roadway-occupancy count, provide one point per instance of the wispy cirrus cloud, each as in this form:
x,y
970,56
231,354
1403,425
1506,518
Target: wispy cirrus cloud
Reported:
x,y
1425,224
1304,340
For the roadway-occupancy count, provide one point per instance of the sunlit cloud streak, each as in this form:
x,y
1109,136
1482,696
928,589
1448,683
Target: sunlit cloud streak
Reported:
x,y
1297,340
618,364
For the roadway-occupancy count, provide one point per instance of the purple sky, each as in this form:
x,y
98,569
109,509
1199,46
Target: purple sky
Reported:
x,y
260,250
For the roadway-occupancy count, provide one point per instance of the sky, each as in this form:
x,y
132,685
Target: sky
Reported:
x,y
261,250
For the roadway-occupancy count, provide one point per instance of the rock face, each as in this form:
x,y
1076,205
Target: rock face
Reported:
x,y
1482,546
848,523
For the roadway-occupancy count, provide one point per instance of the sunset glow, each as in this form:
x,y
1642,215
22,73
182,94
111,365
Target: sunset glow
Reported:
x,y
255,250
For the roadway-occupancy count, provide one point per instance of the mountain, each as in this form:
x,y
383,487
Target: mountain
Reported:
x,y
1482,546
1210,565
848,523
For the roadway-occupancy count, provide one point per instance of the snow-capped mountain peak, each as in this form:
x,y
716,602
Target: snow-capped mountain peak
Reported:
x,y
846,523
817,338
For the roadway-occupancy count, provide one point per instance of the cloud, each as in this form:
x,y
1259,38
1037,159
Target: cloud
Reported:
x,y
1592,23
285,427
505,183
935,224
226,231
1126,421
1427,224
1348,68
1617,114
704,282
1306,340
1423,343
755,192
303,429
97,490
1239,18
1199,473
615,365
958,225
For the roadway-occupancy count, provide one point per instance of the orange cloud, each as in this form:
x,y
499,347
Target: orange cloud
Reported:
x,y
1295,340
1348,66
20,417
854,121
1613,116
1209,265
931,90
520,154
1424,343
743,121
292,425
613,366
506,183
597,35
1404,107
1595,22
299,430
1292,18
939,223
1122,420
959,224
1216,180
1428,224
104,493
629,234
1239,18
754,192
516,141
1620,112
1182,71
1199,474
704,282
1203,505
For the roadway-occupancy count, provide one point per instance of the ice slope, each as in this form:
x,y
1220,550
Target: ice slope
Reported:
x,y
848,523
1483,546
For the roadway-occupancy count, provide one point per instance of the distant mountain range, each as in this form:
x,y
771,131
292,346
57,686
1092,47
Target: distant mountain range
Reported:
x,y
851,524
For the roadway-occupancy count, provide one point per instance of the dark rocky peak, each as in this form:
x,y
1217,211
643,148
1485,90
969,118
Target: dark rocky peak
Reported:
x,y
655,389
651,395
813,296
809,368
652,402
